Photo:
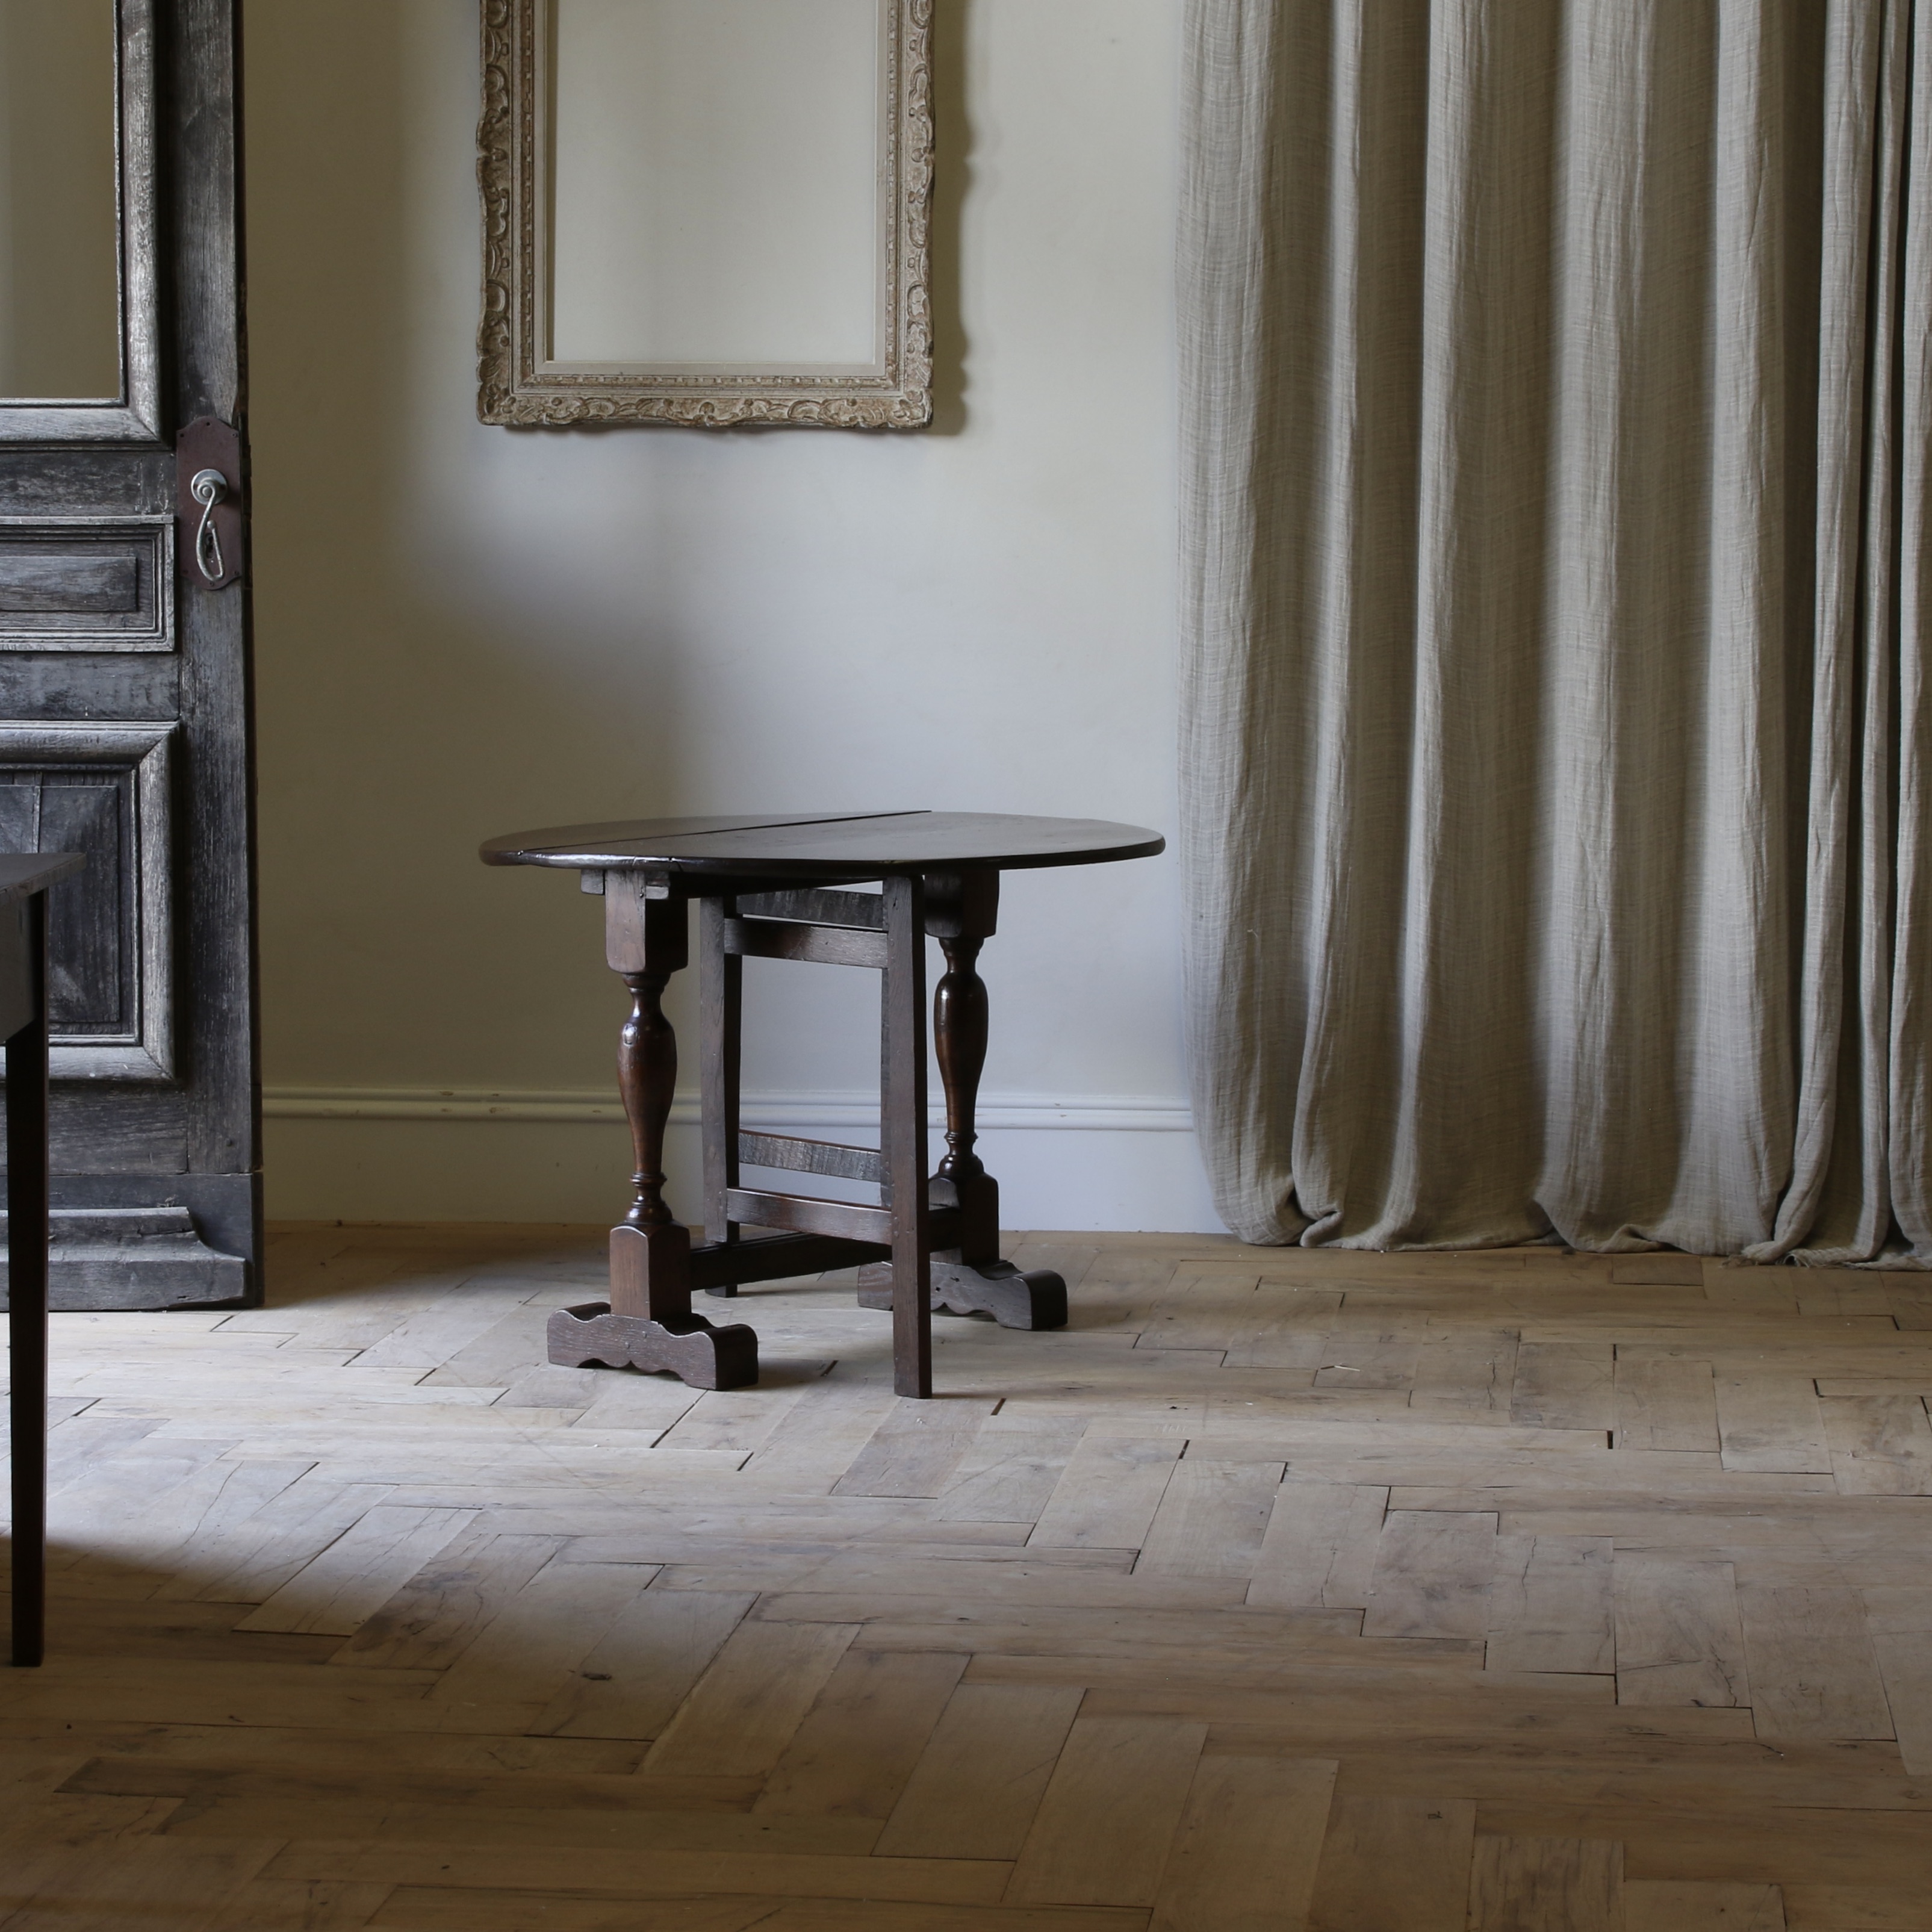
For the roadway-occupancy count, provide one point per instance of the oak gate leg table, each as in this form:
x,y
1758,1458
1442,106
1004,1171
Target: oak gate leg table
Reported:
x,y
775,888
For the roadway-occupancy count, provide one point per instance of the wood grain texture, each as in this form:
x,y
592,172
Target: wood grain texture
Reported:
x,y
1107,1496
1432,1574
1679,1640
1664,1905
632,1678
916,1448
1009,1472
1662,1402
441,1610
977,1785
1109,1810
1244,1855
346,1583
1851,1908
1394,1864
1899,1621
1211,1519
1813,1673
1881,1445
1550,1605
1770,1423
638,1682
1320,1546
742,1712
1547,1885
858,1745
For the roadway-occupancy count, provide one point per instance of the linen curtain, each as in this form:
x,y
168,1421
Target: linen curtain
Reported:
x,y
1556,736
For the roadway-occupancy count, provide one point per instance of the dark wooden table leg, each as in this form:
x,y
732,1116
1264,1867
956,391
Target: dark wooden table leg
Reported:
x,y
27,1295
721,1031
959,1025
902,1136
971,1279
648,1322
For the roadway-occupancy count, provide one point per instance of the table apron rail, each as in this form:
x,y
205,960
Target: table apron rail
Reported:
x,y
806,1213
864,911
777,1257
824,945
792,1156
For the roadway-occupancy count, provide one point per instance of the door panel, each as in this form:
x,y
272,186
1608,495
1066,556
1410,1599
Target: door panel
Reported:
x,y
105,586
104,790
124,696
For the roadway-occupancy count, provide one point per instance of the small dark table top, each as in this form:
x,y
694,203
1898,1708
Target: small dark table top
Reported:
x,y
824,845
24,873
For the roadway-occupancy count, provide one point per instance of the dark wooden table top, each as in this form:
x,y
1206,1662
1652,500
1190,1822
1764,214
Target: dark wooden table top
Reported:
x,y
24,873
826,845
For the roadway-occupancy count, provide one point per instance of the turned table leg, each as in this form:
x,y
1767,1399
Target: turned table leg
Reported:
x,y
961,914
648,1322
959,1025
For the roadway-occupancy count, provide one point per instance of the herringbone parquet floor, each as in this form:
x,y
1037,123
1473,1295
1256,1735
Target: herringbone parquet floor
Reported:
x,y
1520,1591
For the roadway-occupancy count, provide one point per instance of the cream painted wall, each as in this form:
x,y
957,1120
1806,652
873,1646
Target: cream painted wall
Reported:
x,y
463,631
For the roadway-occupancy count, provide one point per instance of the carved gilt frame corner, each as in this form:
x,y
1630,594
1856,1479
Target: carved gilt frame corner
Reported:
x,y
514,388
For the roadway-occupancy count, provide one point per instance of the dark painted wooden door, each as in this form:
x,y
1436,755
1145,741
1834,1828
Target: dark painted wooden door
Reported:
x,y
125,628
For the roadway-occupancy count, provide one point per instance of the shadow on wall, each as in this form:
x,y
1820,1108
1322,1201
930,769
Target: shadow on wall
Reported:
x,y
403,716
413,696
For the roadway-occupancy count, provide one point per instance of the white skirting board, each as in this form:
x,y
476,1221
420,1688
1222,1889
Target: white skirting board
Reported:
x,y
1115,1162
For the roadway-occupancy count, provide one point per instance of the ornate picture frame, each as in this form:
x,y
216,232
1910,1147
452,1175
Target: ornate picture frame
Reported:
x,y
520,383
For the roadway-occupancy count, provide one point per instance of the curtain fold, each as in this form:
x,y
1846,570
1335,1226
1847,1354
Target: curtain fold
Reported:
x,y
1555,724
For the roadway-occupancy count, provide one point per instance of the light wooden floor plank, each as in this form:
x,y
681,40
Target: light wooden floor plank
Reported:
x,y
1211,1518
631,1679
1243,1858
1107,1496
1283,1589
1110,1810
1664,1905
1679,1640
1771,1423
441,1610
1395,1865
514,1674
1881,1445
1320,1546
1664,1403
915,1449
1547,1885
1564,1385
1432,1574
1813,1671
1008,1473
350,1580
741,1713
975,1790
858,1745
1899,1622
1551,1605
